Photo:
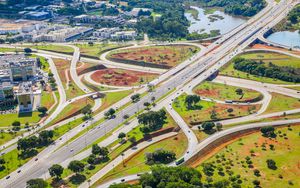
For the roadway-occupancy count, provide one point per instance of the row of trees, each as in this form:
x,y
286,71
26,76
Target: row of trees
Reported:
x,y
288,74
28,146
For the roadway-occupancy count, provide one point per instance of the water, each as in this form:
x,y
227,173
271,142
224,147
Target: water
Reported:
x,y
204,25
287,38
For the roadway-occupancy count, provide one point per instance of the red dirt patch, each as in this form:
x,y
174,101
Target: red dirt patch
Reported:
x,y
120,77
162,55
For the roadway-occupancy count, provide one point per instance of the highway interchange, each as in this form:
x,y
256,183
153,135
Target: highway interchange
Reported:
x,y
183,77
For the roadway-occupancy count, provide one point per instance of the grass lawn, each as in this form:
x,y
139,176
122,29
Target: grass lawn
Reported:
x,y
5,137
170,55
8,119
111,98
286,155
193,12
47,99
224,92
12,162
52,48
281,103
275,58
136,163
3,50
200,135
294,88
203,110
97,49
73,108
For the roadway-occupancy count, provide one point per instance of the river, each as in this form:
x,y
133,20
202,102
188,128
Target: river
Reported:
x,y
204,24
287,38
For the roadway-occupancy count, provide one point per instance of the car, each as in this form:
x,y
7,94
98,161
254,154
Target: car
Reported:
x,y
7,177
60,138
83,125
122,180
36,159
18,171
71,150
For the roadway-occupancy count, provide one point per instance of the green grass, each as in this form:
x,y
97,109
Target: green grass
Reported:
x,y
281,103
12,162
5,136
8,119
203,110
97,49
47,99
277,59
224,92
209,10
52,47
136,164
71,109
3,50
111,98
286,155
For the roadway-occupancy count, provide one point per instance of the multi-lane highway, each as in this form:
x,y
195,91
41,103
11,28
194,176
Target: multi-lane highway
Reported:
x,y
181,77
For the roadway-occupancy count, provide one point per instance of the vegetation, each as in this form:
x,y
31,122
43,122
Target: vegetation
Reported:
x,y
52,48
271,70
256,160
210,111
236,7
291,22
152,121
265,57
225,92
36,183
281,103
28,145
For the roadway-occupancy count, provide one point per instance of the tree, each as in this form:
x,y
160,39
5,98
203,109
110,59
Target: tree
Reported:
x,y
147,104
208,126
95,149
268,131
16,124
160,156
121,135
110,113
45,137
132,140
191,100
56,171
36,183
27,50
135,98
239,91
152,120
271,164
87,109
219,126
42,109
76,166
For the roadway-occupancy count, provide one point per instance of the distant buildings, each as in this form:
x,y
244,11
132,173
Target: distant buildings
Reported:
x,y
65,34
18,82
16,68
114,33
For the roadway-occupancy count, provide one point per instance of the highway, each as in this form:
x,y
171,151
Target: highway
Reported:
x,y
190,73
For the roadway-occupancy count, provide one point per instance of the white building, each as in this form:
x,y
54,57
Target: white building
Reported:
x,y
124,35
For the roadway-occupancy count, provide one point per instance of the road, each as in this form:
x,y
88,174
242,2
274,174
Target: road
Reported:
x,y
203,67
